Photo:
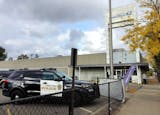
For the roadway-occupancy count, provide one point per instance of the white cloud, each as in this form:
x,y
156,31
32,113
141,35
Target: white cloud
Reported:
x,y
63,37
52,27
39,29
54,10
94,40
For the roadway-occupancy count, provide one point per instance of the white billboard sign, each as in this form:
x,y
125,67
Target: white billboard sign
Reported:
x,y
50,87
123,16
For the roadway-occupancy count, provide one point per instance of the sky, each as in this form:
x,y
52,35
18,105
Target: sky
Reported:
x,y
52,27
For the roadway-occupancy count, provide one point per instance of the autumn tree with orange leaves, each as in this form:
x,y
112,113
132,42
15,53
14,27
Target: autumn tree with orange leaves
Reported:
x,y
146,35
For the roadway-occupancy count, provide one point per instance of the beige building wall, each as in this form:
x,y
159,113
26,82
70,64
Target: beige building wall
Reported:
x,y
61,63
91,59
87,70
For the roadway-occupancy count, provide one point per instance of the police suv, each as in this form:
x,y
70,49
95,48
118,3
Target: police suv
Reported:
x,y
25,83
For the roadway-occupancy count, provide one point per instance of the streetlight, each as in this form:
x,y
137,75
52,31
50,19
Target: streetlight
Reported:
x,y
110,40
110,54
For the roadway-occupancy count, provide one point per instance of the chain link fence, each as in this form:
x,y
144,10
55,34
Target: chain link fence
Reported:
x,y
50,104
60,103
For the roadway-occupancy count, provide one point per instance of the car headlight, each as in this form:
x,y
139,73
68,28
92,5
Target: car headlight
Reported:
x,y
67,87
86,86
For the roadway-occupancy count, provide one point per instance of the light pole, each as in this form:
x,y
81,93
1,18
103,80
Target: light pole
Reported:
x,y
110,39
110,54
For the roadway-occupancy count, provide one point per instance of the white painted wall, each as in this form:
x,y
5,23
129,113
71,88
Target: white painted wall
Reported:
x,y
134,79
90,74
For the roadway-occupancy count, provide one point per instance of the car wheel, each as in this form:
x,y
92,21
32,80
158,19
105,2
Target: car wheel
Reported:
x,y
16,95
77,99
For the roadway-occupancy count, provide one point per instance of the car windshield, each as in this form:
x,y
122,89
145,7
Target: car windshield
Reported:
x,y
61,74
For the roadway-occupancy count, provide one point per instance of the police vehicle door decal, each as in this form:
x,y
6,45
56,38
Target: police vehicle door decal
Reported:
x,y
50,87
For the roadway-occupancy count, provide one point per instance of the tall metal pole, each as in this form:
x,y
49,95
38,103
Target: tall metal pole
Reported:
x,y
73,64
110,39
109,100
71,106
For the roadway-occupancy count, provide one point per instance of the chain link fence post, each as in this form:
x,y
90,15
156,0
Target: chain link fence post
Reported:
x,y
73,64
109,101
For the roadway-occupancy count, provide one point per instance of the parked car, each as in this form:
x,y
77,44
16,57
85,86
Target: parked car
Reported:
x,y
25,83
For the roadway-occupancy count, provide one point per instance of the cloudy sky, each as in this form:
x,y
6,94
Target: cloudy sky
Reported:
x,y
53,27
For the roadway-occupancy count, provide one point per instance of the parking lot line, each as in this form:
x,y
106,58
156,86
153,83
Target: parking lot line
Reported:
x,y
8,111
99,110
84,109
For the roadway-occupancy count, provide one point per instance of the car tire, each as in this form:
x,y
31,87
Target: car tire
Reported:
x,y
17,94
77,99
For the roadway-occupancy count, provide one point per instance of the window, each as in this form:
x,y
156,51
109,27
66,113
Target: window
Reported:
x,y
135,72
49,76
15,75
114,73
33,74
61,74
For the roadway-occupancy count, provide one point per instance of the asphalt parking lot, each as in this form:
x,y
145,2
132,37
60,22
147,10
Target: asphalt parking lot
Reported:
x,y
2,98
86,109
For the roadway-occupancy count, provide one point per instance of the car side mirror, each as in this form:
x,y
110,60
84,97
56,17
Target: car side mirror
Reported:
x,y
58,79
63,78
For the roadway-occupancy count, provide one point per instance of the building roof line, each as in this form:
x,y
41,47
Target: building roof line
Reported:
x,y
115,65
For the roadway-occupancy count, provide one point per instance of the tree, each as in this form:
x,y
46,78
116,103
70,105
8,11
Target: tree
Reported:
x,y
146,35
22,56
31,56
3,54
156,65
10,59
34,56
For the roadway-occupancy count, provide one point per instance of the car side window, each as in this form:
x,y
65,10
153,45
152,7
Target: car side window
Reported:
x,y
15,75
49,76
33,74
